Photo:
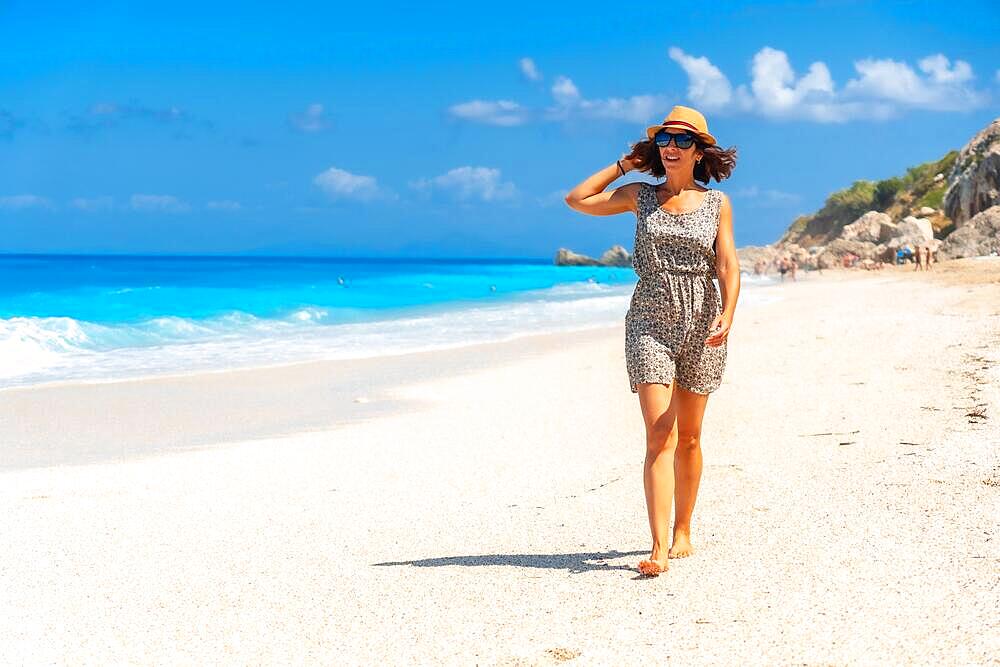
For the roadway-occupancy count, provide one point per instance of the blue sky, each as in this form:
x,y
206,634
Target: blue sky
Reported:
x,y
433,129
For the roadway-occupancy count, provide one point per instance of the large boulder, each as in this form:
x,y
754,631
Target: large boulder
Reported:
x,y
887,230
917,230
566,257
828,260
834,252
866,228
770,255
751,254
863,249
979,236
616,255
912,243
802,257
974,180
912,233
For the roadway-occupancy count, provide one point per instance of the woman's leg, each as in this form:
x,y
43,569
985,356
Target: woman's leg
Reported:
x,y
659,415
687,466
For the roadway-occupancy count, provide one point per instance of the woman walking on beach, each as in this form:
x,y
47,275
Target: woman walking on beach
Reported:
x,y
676,325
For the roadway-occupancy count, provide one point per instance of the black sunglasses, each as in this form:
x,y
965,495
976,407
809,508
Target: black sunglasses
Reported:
x,y
683,140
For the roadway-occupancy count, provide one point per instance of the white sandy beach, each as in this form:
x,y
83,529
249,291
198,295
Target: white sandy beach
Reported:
x,y
485,505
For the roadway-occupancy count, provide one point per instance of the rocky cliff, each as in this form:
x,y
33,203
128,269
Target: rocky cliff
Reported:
x,y
920,191
974,180
926,206
613,256
980,235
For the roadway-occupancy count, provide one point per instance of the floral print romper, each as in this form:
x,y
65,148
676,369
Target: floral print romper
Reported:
x,y
675,300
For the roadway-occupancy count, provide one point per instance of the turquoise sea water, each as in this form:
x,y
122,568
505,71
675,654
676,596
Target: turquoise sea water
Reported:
x,y
108,317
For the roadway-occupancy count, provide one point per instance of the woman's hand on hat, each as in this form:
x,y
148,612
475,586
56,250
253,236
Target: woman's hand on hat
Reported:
x,y
629,164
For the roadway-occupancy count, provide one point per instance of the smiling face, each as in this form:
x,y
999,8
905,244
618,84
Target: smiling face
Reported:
x,y
679,160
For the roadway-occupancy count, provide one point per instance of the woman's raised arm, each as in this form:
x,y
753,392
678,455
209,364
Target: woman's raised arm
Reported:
x,y
589,196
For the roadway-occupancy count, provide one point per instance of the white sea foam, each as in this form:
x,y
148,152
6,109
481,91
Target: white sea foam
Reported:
x,y
34,350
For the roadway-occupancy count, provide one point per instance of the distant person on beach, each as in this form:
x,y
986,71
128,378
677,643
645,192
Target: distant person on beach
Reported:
x,y
927,258
918,264
677,324
793,266
783,268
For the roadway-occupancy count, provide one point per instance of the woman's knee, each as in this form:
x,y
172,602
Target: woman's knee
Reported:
x,y
660,438
688,441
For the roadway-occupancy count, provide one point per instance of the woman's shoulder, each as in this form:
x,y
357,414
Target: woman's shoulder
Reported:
x,y
720,196
635,189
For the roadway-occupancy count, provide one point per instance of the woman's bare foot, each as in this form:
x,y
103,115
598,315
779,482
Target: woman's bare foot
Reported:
x,y
681,546
654,565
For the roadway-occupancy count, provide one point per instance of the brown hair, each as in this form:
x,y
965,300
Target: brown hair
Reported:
x,y
715,163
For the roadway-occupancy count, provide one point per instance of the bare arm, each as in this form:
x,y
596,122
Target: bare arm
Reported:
x,y
589,196
727,266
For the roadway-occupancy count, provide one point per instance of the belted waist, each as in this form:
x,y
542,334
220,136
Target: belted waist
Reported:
x,y
708,273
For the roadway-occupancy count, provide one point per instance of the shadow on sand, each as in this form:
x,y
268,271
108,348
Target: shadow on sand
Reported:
x,y
573,563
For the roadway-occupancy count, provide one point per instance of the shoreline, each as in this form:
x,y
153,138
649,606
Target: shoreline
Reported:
x,y
76,382
315,346
122,419
49,384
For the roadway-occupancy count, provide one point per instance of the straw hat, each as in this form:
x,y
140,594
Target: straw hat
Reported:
x,y
684,118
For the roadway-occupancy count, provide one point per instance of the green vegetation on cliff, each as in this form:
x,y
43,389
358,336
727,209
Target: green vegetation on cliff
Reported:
x,y
897,196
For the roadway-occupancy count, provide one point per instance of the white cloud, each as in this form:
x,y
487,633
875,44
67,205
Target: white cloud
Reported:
x,y
883,86
940,71
565,91
571,103
880,91
767,197
226,205
483,183
312,119
158,204
707,85
93,205
944,88
501,112
529,69
19,202
340,184
778,93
